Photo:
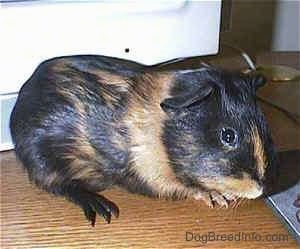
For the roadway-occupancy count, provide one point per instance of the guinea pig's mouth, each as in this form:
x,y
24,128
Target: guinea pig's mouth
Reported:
x,y
234,188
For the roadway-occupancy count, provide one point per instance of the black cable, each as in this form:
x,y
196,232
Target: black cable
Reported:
x,y
294,117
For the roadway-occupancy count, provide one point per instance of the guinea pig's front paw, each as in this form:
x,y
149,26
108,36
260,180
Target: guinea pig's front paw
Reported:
x,y
211,197
219,198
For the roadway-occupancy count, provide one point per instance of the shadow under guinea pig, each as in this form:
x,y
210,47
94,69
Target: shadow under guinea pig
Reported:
x,y
288,171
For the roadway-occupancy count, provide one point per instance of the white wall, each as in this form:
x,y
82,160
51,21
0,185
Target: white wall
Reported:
x,y
286,36
262,26
153,31
251,25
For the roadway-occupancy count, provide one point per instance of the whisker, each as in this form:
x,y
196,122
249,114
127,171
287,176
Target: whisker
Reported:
x,y
244,200
235,203
233,207
229,197
239,202
247,201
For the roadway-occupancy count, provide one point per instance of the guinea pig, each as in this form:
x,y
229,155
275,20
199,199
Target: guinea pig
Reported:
x,y
82,124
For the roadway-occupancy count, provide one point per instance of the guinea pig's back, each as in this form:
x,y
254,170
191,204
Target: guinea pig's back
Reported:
x,y
39,104
60,113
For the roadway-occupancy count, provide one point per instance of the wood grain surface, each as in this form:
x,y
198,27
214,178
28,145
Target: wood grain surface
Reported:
x,y
31,218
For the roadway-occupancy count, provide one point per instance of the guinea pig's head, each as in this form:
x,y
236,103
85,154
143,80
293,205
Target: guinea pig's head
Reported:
x,y
216,135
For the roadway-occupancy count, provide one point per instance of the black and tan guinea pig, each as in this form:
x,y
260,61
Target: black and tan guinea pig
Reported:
x,y
82,124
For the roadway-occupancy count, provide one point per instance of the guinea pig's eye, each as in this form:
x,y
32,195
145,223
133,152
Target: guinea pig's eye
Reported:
x,y
228,136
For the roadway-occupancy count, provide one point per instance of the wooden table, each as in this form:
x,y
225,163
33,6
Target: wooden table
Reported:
x,y
31,218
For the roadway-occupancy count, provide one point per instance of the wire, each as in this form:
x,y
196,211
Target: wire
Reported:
x,y
247,58
292,116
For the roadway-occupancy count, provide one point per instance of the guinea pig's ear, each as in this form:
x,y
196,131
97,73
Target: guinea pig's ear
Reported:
x,y
187,97
258,81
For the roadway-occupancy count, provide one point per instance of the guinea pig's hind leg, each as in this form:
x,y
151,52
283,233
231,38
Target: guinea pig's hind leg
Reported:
x,y
91,203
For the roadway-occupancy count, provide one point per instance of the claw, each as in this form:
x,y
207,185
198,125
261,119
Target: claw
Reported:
x,y
90,214
218,198
92,204
114,210
230,197
109,206
107,218
98,206
204,196
210,197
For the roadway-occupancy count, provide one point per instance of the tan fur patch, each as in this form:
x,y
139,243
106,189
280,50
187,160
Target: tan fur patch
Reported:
x,y
70,96
77,169
81,148
50,180
82,169
82,158
245,187
111,79
144,120
62,65
258,152
58,65
106,78
103,77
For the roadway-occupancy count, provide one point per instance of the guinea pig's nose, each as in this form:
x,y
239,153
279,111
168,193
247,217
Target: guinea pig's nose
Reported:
x,y
260,191
255,192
